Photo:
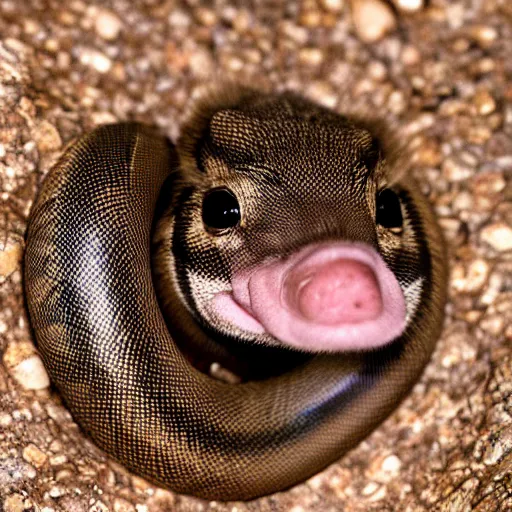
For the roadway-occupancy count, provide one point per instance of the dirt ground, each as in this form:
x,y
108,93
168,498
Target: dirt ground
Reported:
x,y
439,70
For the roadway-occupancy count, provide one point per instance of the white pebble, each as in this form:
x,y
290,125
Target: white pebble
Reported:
x,y
107,25
99,61
391,464
31,373
372,19
370,488
5,419
333,5
409,5
498,236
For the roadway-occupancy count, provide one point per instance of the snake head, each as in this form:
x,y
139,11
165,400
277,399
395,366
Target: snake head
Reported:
x,y
289,229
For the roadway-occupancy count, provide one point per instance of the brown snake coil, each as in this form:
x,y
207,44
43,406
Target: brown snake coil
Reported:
x,y
307,181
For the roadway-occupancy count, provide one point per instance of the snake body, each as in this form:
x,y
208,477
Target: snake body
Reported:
x,y
306,183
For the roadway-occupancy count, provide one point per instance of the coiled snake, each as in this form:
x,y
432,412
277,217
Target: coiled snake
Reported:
x,y
286,232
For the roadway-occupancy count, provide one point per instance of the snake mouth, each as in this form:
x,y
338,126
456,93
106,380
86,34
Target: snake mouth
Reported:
x,y
330,297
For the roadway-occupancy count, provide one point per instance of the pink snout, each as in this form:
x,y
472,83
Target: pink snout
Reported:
x,y
340,292
334,297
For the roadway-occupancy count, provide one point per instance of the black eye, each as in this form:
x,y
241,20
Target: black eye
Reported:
x,y
220,209
389,213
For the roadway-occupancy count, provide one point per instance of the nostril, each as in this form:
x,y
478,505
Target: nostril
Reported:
x,y
344,291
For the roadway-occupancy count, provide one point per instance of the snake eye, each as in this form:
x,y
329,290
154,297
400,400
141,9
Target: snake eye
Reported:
x,y
220,209
389,212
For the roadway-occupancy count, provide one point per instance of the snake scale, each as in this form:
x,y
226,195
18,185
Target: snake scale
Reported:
x,y
285,234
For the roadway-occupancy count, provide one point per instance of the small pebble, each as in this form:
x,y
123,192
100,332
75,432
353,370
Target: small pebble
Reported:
x,y
377,70
311,56
242,21
428,153
321,92
478,135
335,6
10,259
206,16
5,419
370,488
410,55
56,492
95,59
201,63
493,324
63,475
310,18
107,25
33,455
26,366
498,235
140,485
391,464
484,102
372,19
456,170
47,137
121,505
484,35
462,201
31,374
409,5
14,503
471,279
58,460
488,188
298,34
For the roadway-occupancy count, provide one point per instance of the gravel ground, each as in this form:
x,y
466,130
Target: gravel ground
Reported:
x,y
440,71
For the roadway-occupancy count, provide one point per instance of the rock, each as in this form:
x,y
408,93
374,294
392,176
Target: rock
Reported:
x,y
484,103
498,235
470,279
409,5
25,365
58,460
14,503
47,137
456,170
488,188
33,455
429,153
31,374
5,419
56,492
96,60
201,63
372,19
391,464
335,6
107,25
484,35
206,16
311,56
478,134
10,259
121,505
377,71
310,18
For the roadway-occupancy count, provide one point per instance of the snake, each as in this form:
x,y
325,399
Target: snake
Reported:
x,y
275,232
